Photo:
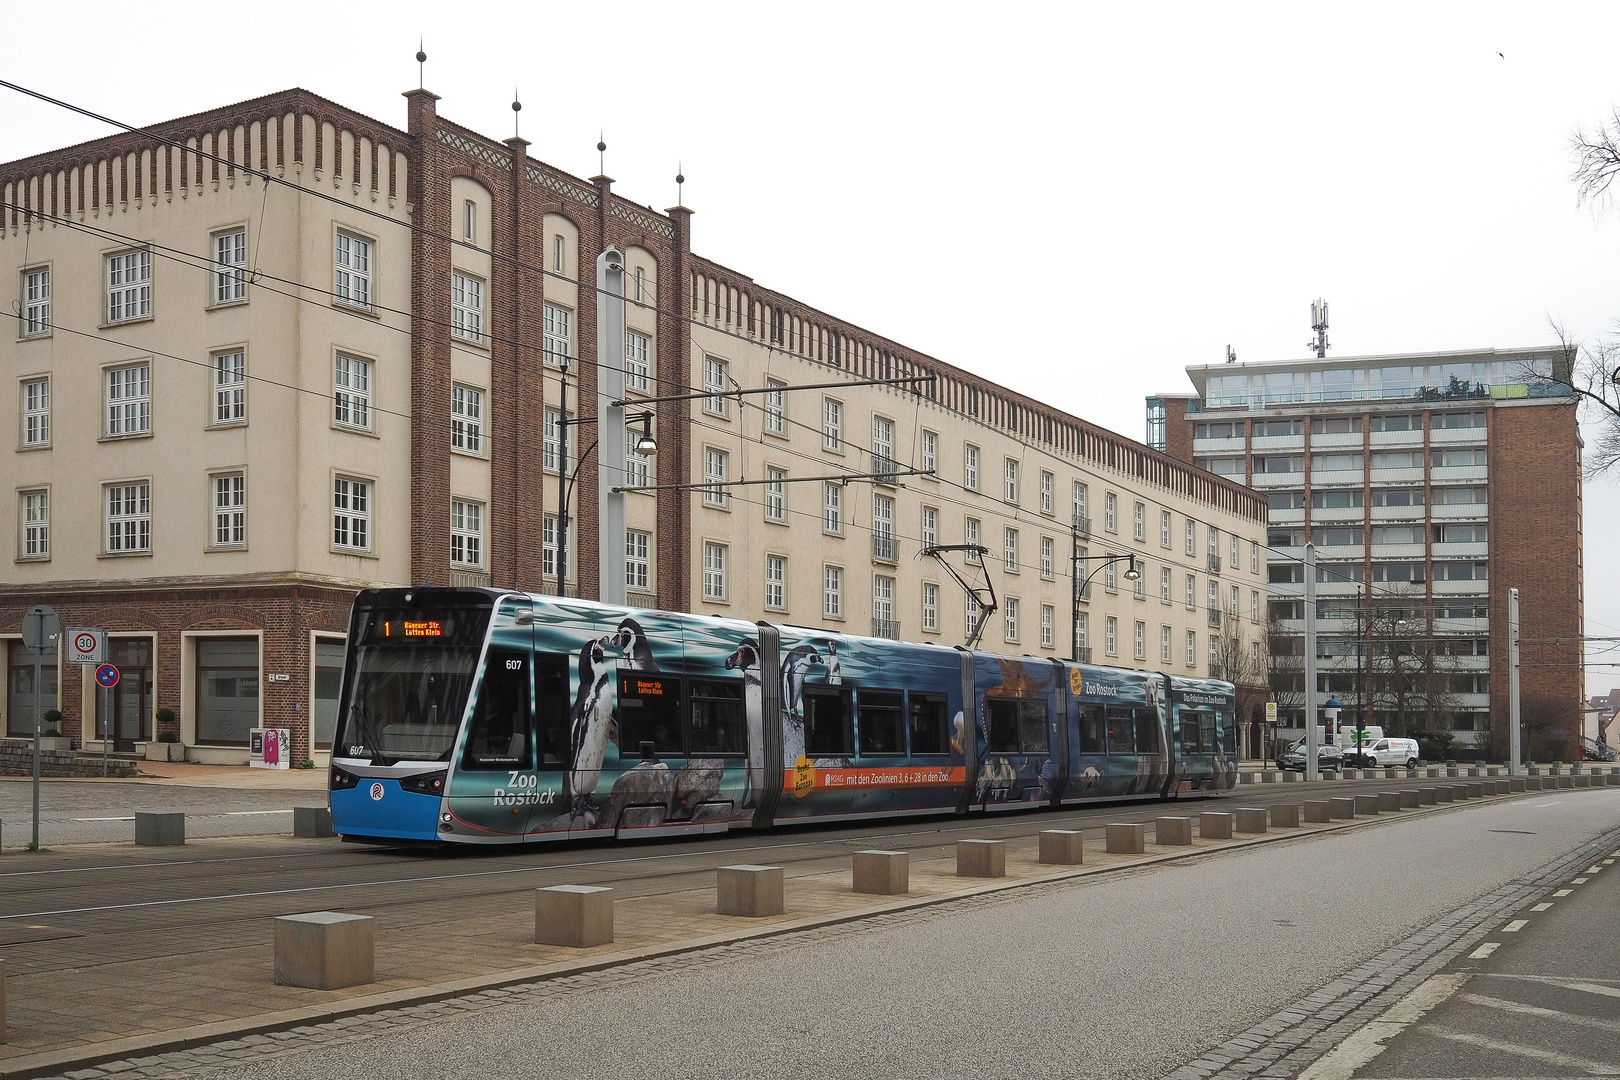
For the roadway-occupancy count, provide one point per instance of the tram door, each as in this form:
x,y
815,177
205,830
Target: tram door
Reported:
x,y
132,697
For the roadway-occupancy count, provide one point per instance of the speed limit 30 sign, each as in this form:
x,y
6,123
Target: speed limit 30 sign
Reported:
x,y
86,645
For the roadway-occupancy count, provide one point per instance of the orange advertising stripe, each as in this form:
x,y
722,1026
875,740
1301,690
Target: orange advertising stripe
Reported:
x,y
902,776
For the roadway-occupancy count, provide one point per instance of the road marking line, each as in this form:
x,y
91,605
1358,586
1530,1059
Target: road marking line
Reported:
x,y
1593,869
1608,862
1577,881
1367,1042
1485,950
1535,1010
1541,907
1515,926
251,813
1563,892
131,818
1591,1068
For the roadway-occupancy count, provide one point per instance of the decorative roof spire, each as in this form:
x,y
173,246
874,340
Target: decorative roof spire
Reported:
x,y
421,64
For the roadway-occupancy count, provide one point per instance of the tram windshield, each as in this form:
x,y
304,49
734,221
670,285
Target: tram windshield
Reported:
x,y
413,670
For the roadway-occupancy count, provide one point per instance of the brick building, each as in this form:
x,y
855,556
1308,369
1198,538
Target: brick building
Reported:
x,y
1431,484
272,353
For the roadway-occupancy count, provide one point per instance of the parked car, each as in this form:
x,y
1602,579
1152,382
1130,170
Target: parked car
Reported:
x,y
1328,756
1401,753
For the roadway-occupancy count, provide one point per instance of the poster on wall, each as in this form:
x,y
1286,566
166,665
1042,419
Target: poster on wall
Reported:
x,y
269,748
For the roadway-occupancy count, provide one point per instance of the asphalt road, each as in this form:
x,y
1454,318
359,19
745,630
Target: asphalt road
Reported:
x,y
1123,975
76,812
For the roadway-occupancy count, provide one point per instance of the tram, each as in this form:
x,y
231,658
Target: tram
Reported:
x,y
479,716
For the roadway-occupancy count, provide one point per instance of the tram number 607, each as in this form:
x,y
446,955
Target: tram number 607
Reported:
x,y
514,665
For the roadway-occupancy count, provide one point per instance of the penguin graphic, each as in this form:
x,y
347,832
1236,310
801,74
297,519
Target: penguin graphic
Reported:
x,y
746,660
835,670
631,641
588,727
796,667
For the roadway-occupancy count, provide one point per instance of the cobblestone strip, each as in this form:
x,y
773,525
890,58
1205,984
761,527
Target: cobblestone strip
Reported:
x,y
1291,1040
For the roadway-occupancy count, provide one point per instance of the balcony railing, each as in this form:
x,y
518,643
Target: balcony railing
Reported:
x,y
1214,564
883,468
886,628
1214,617
885,548
1083,654
1082,526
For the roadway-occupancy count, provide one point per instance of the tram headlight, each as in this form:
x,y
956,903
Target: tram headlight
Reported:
x,y
425,783
342,779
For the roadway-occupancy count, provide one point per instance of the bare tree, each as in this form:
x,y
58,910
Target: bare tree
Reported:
x,y
1409,673
1590,372
1285,671
1241,661
1596,152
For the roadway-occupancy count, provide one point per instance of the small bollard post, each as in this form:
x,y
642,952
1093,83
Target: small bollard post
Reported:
x,y
575,916
1288,778
1062,847
981,858
1366,804
325,950
1126,838
1268,778
885,873
2,1001
1477,790
1461,792
1250,819
1388,801
159,828
312,821
1172,831
750,891
1342,809
1427,796
1445,793
1516,784
1409,799
1285,815
1318,810
1215,825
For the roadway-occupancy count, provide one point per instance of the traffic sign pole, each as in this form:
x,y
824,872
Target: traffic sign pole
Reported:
x,y
106,679
40,627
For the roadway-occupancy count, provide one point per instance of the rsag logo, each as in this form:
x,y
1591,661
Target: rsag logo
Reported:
x,y
376,792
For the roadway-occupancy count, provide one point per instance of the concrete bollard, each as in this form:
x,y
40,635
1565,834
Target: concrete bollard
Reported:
x,y
1268,778
1341,809
885,873
1062,847
1461,792
1350,774
1516,783
1445,793
1410,799
1388,801
1470,772
1288,778
1249,819
1582,780
2,1001
1172,831
981,858
578,916
1366,805
1432,773
1126,839
325,950
1248,778
1285,815
1477,791
165,828
1215,825
1317,809
1427,796
1451,771
1532,783
752,892
1566,781
1390,774
312,821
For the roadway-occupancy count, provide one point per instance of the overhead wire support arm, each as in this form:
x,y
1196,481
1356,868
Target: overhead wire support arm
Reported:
x,y
985,597
701,395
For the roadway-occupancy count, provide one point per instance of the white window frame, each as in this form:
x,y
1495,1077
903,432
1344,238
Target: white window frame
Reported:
x,y
352,501
1165,647
36,301
1009,480
351,392
1048,618
637,559
832,425
1254,605
970,467
557,335
832,592
970,535
129,286
229,375
882,445
1139,586
1047,481
1141,640
930,608
1164,585
552,459
467,307
637,466
832,508
775,407
714,384
230,266
467,533
1192,648
469,221
776,582
1010,614
714,572
1111,636
637,362
467,419
35,406
930,526
1048,557
1080,503
126,507
1192,592
775,495
34,517
716,469
1009,549
128,411
883,604
1110,512
353,263
559,253
930,452
1139,522
1254,556
548,549
1192,537
227,492
1164,528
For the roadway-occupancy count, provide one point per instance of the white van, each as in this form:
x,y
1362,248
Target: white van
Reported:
x,y
1401,753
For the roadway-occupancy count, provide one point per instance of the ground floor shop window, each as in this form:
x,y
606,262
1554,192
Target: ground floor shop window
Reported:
x,y
21,698
328,677
129,704
227,690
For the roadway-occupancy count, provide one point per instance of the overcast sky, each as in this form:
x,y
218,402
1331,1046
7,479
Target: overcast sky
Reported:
x,y
1077,200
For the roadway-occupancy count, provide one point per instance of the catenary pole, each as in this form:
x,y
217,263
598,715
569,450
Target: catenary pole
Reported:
x,y
1311,741
610,434
1514,735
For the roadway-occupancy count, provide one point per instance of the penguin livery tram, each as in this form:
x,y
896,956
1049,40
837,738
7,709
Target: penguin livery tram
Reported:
x,y
480,716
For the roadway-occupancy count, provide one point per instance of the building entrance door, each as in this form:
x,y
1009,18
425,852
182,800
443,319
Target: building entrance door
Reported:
x,y
132,697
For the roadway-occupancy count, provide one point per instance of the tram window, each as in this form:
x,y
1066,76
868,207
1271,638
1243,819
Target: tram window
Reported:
x,y
1034,733
1018,726
1147,730
1093,730
551,683
1197,732
1003,725
826,723
929,735
1228,734
498,738
881,722
1121,729
718,726
649,712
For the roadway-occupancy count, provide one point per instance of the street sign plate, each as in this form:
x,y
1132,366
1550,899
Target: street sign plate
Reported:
x,y
107,675
86,645
1271,712
40,627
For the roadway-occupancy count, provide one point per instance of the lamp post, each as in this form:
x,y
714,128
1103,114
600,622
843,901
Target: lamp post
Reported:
x,y
645,445
1131,574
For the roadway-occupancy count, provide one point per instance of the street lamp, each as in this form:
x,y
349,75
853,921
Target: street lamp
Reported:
x,y
1132,573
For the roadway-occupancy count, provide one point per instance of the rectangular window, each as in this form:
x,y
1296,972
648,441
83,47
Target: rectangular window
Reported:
x,y
1110,512
1139,522
930,452
1010,612
715,492
230,510
467,308
557,335
230,266
469,221
1110,577
1009,549
559,254
775,407
1236,599
714,572
353,270
129,517
230,387
1046,492
882,446
1164,528
129,401
883,624
36,412
883,545
36,519
1082,624
832,508
1192,648
1047,631
1009,480
1192,592
637,466
882,723
1111,636
776,582
1164,644
1047,557
467,419
637,362
552,458
36,301
1254,606
970,532
970,467
775,495
351,513
1139,587
832,600
637,559
1164,584
129,286
714,384
227,690
973,610
548,548
832,425
1254,556
1081,521
930,526
466,533
930,608
1191,538
351,392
